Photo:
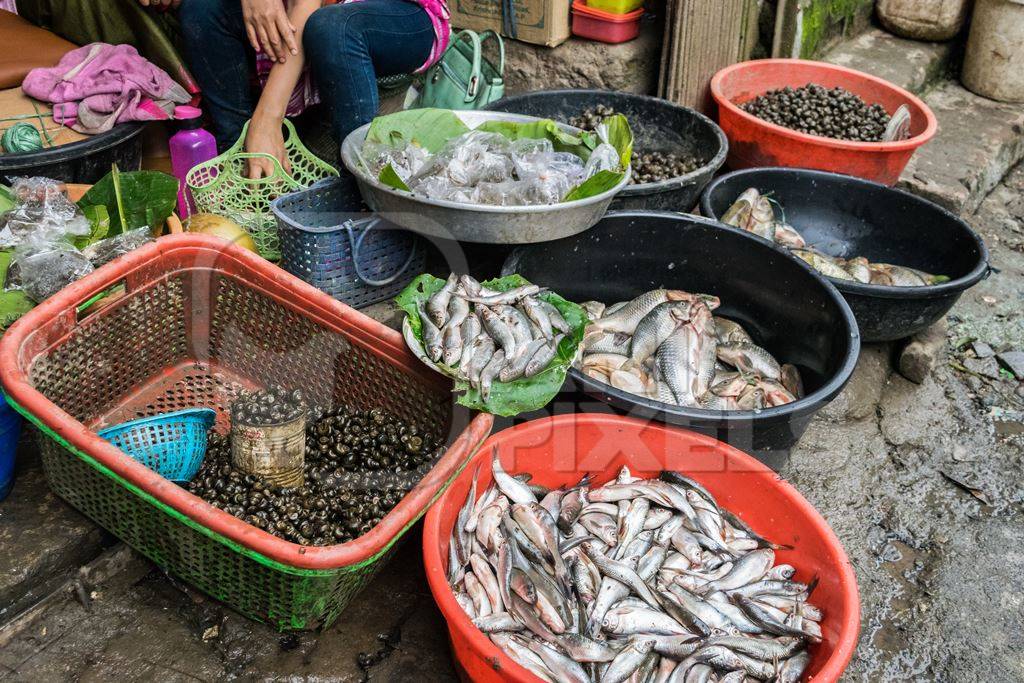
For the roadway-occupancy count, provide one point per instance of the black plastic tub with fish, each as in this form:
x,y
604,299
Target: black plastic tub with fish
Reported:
x,y
798,316
843,216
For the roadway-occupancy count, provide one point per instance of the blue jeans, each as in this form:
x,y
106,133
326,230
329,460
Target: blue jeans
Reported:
x,y
346,46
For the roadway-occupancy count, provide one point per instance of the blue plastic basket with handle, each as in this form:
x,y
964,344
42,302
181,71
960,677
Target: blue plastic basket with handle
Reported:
x,y
331,242
172,444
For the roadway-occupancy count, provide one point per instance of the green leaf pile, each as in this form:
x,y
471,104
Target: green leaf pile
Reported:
x,y
133,199
432,128
507,398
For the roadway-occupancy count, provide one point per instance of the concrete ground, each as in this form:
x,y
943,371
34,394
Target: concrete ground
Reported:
x,y
924,485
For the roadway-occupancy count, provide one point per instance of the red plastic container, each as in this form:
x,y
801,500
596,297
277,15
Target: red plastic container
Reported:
x,y
754,143
559,450
595,24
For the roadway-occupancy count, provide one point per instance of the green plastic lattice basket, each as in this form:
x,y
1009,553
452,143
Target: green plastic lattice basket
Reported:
x,y
220,186
198,323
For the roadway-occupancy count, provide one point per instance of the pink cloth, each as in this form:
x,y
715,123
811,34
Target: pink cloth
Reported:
x,y
99,85
305,93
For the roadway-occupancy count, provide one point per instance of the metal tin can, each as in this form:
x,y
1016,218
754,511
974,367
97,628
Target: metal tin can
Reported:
x,y
276,453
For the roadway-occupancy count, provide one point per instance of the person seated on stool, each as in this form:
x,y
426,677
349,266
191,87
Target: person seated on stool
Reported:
x,y
344,47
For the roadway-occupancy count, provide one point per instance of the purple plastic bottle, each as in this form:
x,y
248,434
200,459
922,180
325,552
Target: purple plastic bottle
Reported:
x,y
191,145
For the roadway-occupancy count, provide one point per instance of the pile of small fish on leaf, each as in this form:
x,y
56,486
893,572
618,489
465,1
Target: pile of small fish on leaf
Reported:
x,y
481,335
755,212
638,580
667,345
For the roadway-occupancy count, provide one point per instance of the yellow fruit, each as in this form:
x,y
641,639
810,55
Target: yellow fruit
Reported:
x,y
219,226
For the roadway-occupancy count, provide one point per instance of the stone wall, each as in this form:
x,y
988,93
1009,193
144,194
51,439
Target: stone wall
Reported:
x,y
810,28
577,63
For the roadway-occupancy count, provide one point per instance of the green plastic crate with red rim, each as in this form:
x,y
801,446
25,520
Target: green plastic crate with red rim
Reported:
x,y
200,321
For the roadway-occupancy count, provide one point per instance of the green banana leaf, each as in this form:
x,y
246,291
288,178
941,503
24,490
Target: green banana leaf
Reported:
x,y
602,181
389,176
15,303
432,128
580,145
507,398
427,128
99,219
132,199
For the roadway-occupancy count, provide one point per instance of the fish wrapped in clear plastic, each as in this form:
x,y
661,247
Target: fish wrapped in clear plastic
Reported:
x,y
106,250
508,193
487,168
41,267
42,208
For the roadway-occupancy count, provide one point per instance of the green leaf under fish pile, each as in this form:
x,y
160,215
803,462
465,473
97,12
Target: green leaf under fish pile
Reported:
x,y
506,398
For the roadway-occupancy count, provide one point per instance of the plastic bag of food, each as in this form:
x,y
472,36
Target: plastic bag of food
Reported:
x,y
407,159
525,147
545,188
544,161
529,154
42,208
506,193
41,267
104,251
603,158
441,187
472,158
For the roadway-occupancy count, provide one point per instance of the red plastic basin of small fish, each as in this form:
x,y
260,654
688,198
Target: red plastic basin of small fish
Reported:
x,y
559,450
754,142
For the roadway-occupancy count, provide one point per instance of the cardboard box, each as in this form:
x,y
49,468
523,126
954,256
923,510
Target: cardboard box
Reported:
x,y
541,22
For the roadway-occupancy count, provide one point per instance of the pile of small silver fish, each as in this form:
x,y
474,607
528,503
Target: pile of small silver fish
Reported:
x,y
755,212
480,335
667,345
640,580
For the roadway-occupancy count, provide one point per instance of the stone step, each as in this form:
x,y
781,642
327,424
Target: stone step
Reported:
x,y
44,540
910,64
978,142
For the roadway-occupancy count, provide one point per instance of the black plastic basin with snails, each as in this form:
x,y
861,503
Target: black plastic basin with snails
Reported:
x,y
795,315
846,217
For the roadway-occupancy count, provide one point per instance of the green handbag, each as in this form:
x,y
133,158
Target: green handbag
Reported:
x,y
463,78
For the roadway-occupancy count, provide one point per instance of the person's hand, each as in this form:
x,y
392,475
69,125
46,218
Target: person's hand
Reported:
x,y
265,136
160,4
268,28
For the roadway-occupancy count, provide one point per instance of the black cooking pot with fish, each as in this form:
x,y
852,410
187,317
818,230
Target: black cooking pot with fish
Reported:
x,y
785,306
844,216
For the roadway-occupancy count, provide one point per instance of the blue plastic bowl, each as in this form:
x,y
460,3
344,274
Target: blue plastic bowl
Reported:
x,y
10,432
172,444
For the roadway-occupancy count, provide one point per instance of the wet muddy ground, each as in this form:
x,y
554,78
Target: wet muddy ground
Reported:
x,y
924,485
